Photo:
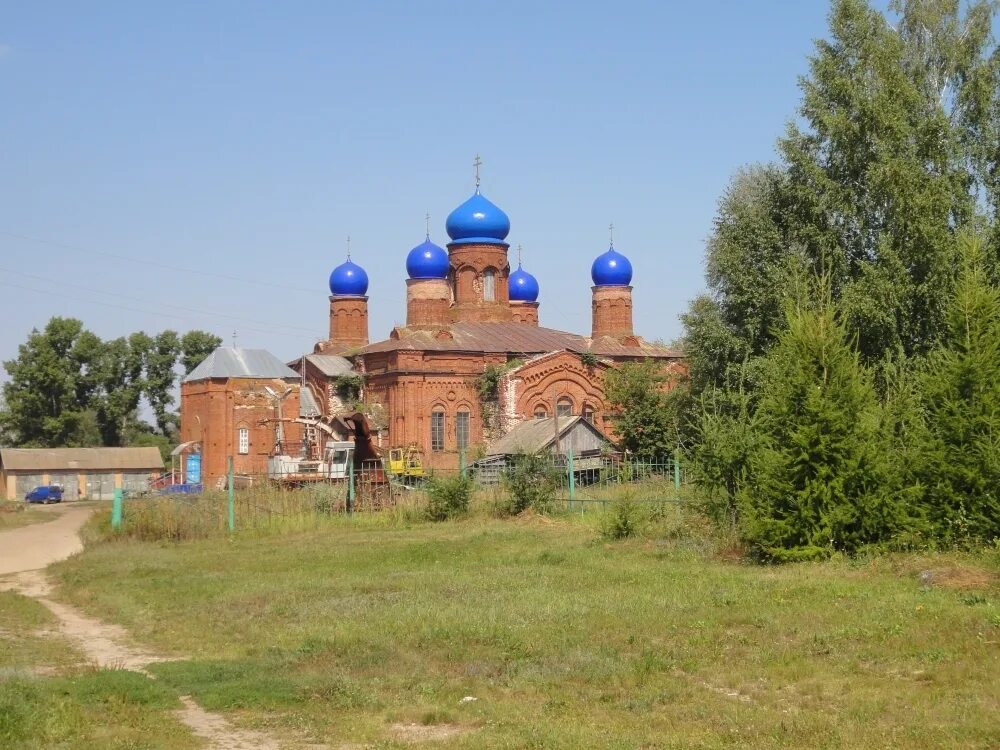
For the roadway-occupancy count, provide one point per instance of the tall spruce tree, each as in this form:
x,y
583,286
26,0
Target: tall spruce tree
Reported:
x,y
818,475
960,466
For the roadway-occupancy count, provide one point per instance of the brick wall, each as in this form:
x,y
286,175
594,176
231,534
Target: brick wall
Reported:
x,y
213,411
348,322
525,312
427,301
612,311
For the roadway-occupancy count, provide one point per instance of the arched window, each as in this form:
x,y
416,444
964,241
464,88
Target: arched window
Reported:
x,y
489,285
564,406
243,440
463,421
541,412
588,413
437,431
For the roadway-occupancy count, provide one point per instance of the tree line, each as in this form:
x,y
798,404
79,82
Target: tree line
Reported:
x,y
69,388
844,366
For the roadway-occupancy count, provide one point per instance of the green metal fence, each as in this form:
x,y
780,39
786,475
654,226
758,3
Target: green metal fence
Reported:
x,y
580,484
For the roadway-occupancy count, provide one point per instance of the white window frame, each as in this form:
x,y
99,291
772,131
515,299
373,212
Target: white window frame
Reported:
x,y
243,440
489,285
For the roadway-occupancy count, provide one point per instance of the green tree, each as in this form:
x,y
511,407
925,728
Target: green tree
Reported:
x,y
160,378
51,383
195,346
960,466
69,388
895,147
818,476
120,375
882,171
642,410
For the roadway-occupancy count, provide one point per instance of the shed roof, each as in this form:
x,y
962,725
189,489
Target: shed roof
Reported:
x,y
512,338
307,404
84,459
534,435
330,365
232,362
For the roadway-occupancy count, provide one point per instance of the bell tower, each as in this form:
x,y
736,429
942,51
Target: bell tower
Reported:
x,y
477,257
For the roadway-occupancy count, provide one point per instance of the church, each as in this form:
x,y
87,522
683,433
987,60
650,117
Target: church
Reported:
x,y
471,363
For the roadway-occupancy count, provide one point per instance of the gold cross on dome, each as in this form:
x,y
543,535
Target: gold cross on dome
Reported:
x,y
427,220
611,233
477,164
348,247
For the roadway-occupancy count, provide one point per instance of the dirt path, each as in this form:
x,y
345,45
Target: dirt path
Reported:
x,y
24,552
39,545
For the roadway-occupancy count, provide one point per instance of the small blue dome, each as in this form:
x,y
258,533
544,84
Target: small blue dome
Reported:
x,y
478,220
611,269
348,280
523,286
427,261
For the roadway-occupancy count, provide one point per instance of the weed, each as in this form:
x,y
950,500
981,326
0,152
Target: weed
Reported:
x,y
448,496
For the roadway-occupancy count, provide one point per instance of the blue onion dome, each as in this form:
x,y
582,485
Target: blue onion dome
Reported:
x,y
427,261
611,269
478,220
523,286
348,280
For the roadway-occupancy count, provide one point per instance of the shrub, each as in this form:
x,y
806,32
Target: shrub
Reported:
x,y
531,482
624,520
448,496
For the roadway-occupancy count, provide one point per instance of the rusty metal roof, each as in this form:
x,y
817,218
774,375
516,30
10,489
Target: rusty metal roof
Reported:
x,y
607,346
510,338
83,459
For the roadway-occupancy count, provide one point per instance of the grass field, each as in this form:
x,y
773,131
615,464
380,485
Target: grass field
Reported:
x,y
50,698
374,632
16,514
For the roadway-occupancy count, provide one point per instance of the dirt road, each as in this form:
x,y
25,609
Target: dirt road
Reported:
x,y
41,544
26,551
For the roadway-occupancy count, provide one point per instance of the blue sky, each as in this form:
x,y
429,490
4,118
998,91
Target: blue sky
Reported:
x,y
200,165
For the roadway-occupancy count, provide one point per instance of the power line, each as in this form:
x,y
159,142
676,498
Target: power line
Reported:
x,y
209,313
177,316
156,263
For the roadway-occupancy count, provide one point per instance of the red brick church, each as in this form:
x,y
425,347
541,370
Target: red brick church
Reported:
x,y
471,362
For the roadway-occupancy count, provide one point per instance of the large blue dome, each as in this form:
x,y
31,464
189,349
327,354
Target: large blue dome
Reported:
x,y
611,269
427,261
478,220
523,286
348,280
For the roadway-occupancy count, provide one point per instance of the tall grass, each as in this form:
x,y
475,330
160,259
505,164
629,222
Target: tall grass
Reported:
x,y
268,509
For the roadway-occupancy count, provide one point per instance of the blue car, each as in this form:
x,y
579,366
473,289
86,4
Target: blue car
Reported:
x,y
50,494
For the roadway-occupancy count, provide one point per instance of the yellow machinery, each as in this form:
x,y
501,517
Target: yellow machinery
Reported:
x,y
407,464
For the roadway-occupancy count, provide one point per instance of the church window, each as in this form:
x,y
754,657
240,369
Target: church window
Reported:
x,y
564,407
462,422
540,412
588,413
437,431
489,285
244,440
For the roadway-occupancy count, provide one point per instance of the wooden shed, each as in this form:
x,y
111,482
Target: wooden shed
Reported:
x,y
555,435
